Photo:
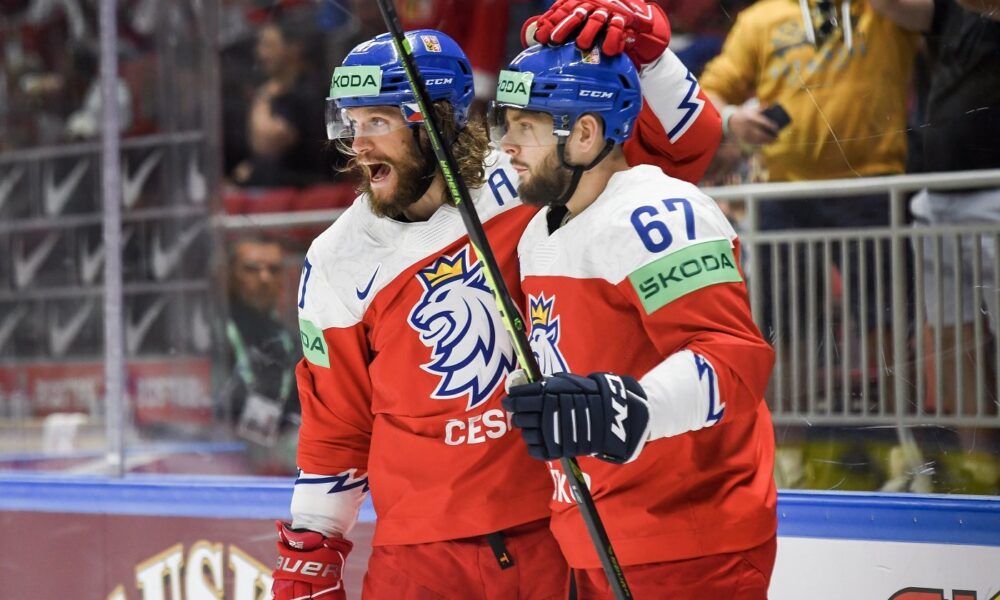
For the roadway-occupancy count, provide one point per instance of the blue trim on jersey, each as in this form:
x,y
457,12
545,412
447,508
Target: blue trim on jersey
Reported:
x,y
972,520
692,107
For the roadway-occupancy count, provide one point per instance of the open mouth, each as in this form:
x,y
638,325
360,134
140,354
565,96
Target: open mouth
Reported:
x,y
379,172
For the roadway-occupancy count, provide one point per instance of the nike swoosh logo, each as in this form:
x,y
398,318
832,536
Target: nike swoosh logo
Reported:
x,y
135,332
362,294
26,267
132,185
9,183
10,323
58,194
165,260
201,334
197,186
61,336
90,262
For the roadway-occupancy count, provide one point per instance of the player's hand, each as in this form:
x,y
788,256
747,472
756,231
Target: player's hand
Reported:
x,y
309,565
750,126
638,28
564,415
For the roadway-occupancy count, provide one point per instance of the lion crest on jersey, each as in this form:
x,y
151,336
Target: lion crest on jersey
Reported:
x,y
457,318
544,336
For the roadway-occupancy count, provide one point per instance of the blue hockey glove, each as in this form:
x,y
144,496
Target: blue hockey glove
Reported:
x,y
564,415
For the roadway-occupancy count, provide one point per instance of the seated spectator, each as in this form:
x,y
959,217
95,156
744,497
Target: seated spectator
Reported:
x,y
261,396
285,126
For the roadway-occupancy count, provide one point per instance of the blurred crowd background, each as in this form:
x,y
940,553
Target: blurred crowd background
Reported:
x,y
227,176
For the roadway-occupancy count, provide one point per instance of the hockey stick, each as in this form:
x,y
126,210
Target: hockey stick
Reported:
x,y
511,316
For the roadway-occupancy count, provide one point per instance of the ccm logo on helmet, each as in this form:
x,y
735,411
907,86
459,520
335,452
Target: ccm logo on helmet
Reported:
x,y
442,81
596,94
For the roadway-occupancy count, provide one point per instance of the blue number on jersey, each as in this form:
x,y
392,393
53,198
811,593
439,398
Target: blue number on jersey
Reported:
x,y
653,232
307,271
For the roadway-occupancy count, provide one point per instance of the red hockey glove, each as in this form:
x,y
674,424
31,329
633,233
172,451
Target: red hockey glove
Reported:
x,y
309,565
638,28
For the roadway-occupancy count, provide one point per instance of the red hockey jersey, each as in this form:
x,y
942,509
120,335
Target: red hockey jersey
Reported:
x,y
650,269
405,356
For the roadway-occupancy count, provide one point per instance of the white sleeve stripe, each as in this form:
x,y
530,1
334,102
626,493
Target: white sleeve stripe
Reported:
x,y
328,504
671,92
683,395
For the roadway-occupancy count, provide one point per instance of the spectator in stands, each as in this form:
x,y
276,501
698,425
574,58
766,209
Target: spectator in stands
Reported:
x,y
698,28
478,27
85,121
959,130
261,396
285,126
841,74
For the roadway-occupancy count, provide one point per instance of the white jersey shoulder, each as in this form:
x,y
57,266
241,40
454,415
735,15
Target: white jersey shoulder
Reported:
x,y
361,253
642,215
671,92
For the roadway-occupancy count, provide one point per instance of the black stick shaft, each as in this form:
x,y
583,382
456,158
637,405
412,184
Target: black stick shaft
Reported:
x,y
512,319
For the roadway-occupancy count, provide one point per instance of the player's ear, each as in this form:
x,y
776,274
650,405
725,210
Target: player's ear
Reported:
x,y
589,135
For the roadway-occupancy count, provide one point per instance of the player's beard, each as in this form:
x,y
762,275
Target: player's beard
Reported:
x,y
547,184
411,184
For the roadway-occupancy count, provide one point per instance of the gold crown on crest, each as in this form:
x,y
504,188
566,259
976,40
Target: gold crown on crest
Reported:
x,y
541,310
444,270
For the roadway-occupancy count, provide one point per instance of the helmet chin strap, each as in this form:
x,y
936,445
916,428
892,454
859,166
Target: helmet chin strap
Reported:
x,y
578,170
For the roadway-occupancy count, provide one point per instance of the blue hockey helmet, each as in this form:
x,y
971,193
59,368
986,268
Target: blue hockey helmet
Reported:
x,y
372,75
567,82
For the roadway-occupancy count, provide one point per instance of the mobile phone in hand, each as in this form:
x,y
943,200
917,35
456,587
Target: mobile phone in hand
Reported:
x,y
778,115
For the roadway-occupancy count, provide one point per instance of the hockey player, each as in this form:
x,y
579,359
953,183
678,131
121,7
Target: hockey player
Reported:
x,y
634,278
405,356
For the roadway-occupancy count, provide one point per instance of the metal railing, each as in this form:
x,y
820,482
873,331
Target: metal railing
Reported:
x,y
884,366
889,365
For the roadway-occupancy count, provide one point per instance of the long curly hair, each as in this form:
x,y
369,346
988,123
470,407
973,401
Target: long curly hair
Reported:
x,y
470,147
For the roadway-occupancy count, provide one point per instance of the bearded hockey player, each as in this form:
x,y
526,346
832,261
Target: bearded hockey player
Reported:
x,y
406,357
634,278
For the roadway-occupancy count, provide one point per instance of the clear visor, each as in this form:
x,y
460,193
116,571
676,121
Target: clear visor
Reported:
x,y
368,121
519,127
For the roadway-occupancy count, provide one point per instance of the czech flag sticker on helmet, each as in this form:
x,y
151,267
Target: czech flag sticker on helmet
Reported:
x,y
591,57
412,114
431,43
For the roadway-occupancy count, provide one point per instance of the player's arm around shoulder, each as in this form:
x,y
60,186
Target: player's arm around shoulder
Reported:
x,y
681,273
678,129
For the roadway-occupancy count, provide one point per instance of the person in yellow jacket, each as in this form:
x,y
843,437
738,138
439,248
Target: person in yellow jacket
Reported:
x,y
830,80
845,94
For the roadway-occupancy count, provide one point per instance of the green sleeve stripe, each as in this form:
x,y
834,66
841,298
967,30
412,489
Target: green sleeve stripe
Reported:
x,y
314,344
668,278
